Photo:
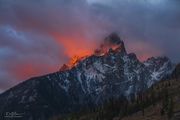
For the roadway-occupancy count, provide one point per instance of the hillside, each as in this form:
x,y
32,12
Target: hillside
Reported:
x,y
160,102
154,112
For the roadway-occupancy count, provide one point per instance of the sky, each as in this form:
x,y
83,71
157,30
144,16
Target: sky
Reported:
x,y
38,36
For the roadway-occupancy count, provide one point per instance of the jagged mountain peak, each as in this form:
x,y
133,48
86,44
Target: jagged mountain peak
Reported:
x,y
158,62
93,80
157,59
113,40
111,44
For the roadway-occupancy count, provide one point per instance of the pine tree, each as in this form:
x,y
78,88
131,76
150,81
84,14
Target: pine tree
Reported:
x,y
170,108
165,101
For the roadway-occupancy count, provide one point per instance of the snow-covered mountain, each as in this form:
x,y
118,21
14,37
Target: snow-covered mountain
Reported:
x,y
109,72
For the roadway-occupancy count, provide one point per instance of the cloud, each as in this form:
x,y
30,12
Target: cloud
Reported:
x,y
23,55
146,21
38,36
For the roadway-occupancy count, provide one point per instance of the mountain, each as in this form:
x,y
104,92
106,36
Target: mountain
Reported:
x,y
108,73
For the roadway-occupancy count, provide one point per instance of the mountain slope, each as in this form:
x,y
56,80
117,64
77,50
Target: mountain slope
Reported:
x,y
159,102
109,72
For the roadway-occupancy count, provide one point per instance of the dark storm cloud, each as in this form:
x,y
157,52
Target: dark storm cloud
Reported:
x,y
31,32
65,16
152,23
24,55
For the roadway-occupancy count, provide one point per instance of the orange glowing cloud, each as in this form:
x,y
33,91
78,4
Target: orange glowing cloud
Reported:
x,y
79,47
75,46
21,71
